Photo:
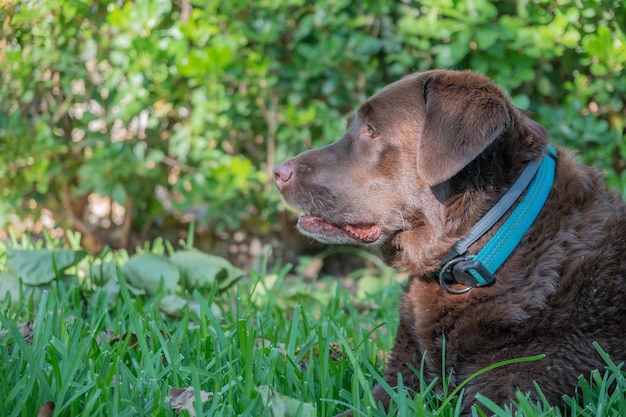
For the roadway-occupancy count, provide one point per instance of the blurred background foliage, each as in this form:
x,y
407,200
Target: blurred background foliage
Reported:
x,y
122,118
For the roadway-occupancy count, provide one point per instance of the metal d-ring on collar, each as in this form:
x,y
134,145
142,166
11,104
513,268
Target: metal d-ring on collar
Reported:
x,y
477,270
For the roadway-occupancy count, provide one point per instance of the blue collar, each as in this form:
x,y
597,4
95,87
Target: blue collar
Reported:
x,y
477,270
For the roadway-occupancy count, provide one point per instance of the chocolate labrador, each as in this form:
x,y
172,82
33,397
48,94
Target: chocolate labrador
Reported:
x,y
514,248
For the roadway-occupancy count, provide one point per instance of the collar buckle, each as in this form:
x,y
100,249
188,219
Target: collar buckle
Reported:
x,y
467,271
477,270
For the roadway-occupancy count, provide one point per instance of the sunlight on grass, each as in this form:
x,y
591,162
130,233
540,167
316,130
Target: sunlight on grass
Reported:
x,y
272,345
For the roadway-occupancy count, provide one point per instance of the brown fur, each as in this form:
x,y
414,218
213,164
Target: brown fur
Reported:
x,y
422,161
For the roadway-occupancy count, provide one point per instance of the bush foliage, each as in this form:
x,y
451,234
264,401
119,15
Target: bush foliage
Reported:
x,y
185,105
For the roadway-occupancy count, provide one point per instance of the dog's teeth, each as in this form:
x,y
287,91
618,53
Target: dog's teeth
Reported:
x,y
366,232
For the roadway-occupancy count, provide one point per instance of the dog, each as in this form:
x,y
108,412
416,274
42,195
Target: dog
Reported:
x,y
513,247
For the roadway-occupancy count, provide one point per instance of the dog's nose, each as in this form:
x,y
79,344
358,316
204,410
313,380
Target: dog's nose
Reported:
x,y
283,174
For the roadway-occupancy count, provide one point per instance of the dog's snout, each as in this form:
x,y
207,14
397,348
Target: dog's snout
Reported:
x,y
283,174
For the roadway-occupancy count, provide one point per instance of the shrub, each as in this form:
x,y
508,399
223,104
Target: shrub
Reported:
x,y
185,106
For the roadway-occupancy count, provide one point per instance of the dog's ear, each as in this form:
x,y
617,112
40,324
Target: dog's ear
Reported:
x,y
539,134
463,115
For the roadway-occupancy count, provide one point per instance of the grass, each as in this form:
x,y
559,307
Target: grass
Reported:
x,y
272,345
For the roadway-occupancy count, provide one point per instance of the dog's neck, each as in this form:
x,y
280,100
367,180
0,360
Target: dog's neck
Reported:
x,y
477,270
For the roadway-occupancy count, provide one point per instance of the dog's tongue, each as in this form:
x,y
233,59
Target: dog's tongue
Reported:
x,y
365,232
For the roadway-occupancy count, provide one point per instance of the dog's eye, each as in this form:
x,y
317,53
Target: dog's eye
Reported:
x,y
372,133
367,132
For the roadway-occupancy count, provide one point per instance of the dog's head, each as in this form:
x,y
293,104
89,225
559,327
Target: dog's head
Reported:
x,y
409,152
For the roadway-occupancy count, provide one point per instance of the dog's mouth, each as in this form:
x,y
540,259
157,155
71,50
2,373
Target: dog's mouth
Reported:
x,y
320,229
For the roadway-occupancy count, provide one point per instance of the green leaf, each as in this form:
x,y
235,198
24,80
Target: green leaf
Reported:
x,y
599,44
9,285
112,290
105,275
103,272
282,406
202,270
149,272
486,37
173,305
40,266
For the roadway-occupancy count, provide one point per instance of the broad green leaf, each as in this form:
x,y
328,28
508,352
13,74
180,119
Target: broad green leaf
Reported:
x,y
9,285
148,272
40,266
282,406
104,272
173,305
112,289
69,280
486,37
202,270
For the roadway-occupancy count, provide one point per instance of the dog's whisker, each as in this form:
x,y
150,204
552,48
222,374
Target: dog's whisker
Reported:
x,y
402,222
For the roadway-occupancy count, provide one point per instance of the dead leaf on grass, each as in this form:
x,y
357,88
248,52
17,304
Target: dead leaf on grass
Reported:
x,y
261,343
46,409
334,353
129,337
25,329
182,399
